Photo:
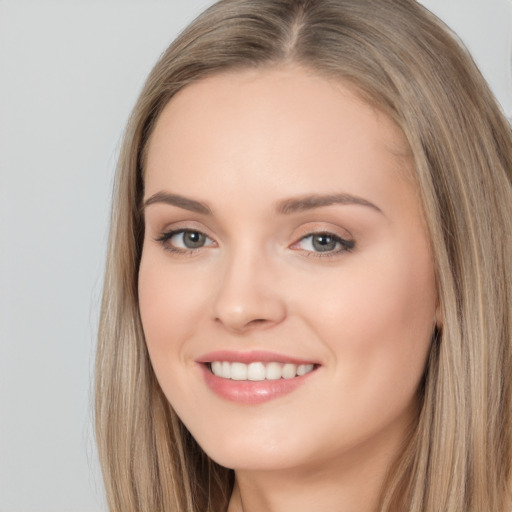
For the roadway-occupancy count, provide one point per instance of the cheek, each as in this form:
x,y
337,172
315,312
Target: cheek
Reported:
x,y
172,305
171,302
396,306
378,320
388,293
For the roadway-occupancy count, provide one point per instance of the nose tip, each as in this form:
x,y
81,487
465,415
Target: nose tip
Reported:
x,y
248,300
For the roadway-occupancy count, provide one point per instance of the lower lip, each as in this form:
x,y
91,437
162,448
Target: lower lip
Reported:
x,y
251,392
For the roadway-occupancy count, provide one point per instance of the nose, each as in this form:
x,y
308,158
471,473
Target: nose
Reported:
x,y
249,295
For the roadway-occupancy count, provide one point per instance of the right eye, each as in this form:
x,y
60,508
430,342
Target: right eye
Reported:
x,y
184,240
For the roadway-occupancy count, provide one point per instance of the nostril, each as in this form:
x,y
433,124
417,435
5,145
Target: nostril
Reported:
x,y
239,308
242,326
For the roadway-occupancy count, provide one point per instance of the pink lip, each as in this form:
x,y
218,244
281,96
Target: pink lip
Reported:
x,y
250,392
252,356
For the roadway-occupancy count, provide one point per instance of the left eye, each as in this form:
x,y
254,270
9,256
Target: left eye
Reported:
x,y
185,239
324,242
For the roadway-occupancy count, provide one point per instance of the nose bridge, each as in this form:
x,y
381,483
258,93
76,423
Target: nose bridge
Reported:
x,y
247,295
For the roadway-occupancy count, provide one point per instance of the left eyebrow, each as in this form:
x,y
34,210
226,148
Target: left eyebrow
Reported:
x,y
310,202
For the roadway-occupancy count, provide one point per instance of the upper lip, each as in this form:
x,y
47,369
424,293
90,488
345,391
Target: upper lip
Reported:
x,y
251,356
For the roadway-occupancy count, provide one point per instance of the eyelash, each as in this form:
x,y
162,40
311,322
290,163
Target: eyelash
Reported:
x,y
165,238
346,245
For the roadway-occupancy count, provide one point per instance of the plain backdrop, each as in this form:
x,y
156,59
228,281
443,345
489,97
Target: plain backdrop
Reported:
x,y
70,72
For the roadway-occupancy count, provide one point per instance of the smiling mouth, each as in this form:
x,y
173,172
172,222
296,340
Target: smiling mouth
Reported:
x,y
259,371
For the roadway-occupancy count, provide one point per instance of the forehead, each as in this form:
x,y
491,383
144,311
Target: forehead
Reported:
x,y
280,126
275,88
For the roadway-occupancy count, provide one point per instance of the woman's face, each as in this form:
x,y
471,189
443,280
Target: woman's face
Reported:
x,y
285,250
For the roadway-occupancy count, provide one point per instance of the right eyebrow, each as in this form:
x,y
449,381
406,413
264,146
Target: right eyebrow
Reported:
x,y
179,201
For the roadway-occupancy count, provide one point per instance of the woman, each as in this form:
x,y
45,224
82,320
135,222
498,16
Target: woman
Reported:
x,y
307,301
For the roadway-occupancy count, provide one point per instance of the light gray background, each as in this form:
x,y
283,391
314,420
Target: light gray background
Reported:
x,y
69,73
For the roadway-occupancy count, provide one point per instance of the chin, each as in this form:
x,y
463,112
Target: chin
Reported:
x,y
252,457
251,449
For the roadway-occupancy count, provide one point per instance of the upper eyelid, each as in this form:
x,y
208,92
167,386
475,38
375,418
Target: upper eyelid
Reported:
x,y
178,227
166,234
324,232
343,240
336,232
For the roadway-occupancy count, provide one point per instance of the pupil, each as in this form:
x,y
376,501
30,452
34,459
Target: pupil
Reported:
x,y
323,243
193,239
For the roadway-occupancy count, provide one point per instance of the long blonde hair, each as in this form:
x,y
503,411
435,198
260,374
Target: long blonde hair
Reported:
x,y
401,59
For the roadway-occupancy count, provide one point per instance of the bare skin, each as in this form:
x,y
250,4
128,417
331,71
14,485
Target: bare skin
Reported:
x,y
280,219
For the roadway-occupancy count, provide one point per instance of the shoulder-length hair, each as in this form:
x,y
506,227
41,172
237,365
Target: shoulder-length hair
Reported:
x,y
398,57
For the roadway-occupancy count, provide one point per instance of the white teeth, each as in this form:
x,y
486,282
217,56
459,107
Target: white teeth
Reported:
x,y
274,371
258,371
226,370
289,371
238,371
304,368
217,368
